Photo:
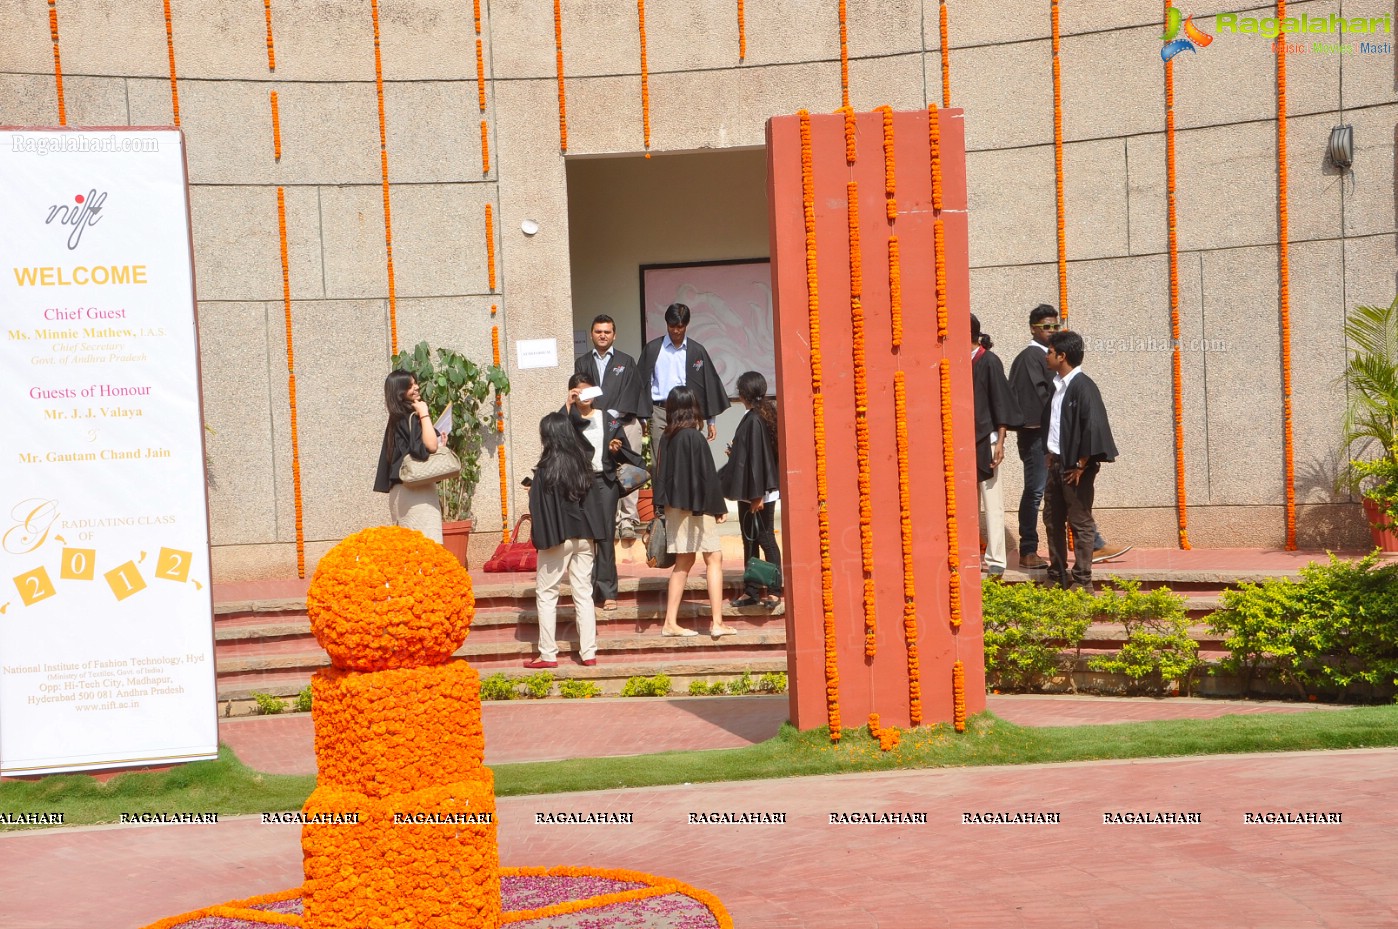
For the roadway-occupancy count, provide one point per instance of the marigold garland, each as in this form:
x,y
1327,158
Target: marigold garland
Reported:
x,y
276,128
645,75
946,55
861,418
848,113
170,48
500,430
291,390
57,63
895,290
958,696
490,244
934,143
271,48
480,75
383,170
888,174
844,60
742,32
485,148
939,258
242,906
832,669
1058,170
905,508
949,477
476,14
1284,290
558,51
1176,369
627,876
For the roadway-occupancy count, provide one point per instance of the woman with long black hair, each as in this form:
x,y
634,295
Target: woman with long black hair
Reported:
x,y
686,487
563,536
409,432
751,478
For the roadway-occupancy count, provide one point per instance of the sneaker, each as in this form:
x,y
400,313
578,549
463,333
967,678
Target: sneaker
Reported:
x,y
1032,562
1108,552
626,531
540,663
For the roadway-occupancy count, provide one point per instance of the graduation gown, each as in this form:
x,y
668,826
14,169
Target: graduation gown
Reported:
x,y
1083,431
751,470
687,477
995,407
700,374
1031,383
555,519
600,505
621,386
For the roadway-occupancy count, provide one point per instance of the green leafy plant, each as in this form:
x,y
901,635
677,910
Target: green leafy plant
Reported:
x,y
453,378
1371,416
743,685
1033,634
498,687
268,705
658,686
1158,647
578,690
303,700
537,686
706,689
772,683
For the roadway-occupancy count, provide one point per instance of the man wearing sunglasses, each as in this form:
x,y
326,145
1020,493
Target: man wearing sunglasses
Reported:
x,y
1031,382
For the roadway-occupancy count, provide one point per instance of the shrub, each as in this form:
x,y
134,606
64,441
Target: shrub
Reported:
x,y
578,690
772,683
657,686
1032,633
537,686
268,705
1158,647
303,700
742,685
498,687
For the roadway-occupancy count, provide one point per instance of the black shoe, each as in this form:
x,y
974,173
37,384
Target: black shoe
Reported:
x,y
744,600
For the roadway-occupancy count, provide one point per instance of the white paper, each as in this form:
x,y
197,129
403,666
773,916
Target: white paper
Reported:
x,y
536,353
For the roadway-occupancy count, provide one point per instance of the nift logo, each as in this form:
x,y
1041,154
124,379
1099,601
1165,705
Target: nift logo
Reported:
x,y
1192,40
85,211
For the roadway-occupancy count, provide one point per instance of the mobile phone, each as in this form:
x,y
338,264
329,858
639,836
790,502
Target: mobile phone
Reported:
x,y
588,394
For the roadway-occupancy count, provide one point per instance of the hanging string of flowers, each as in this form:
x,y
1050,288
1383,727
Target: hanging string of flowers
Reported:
x,y
480,74
934,141
271,47
500,431
558,51
827,589
276,128
645,75
291,390
848,113
861,418
949,477
1284,292
1058,170
475,12
888,174
485,148
57,63
946,55
844,59
895,290
490,243
383,171
170,47
742,32
1177,375
958,696
905,509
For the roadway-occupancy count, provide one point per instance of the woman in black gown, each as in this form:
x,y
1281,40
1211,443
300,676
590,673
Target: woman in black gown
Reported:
x,y
751,478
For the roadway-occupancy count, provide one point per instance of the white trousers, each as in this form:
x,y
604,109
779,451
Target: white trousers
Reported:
x,y
417,508
573,557
992,505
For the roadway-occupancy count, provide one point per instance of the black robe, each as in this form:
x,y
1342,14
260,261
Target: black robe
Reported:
x,y
600,505
687,479
995,407
621,388
1031,383
1084,431
700,374
751,470
554,519
407,440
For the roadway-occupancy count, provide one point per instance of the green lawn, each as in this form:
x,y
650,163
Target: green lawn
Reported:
x,y
229,788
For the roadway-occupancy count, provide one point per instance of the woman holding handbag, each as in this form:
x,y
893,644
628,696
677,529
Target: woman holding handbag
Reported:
x,y
409,433
564,536
751,478
686,487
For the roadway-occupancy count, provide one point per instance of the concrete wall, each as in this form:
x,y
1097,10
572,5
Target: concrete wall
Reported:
x,y
116,72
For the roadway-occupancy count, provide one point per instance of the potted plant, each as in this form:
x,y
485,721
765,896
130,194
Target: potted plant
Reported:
x,y
453,378
1371,418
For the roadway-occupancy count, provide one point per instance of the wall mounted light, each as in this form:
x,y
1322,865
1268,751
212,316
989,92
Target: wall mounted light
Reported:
x,y
529,227
1341,150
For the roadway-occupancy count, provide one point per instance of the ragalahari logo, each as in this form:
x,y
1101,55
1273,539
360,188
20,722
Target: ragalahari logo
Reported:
x,y
1192,40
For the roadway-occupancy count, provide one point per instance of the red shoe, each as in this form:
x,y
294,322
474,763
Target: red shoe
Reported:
x,y
540,663
588,662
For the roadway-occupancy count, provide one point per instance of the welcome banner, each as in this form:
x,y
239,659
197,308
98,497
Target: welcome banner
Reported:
x,y
106,618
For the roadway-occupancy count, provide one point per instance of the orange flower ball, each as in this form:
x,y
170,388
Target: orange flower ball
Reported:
x,y
389,597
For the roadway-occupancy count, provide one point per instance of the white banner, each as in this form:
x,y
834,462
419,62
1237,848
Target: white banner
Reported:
x,y
106,618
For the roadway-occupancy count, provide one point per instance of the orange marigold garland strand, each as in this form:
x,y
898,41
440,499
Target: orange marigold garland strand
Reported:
x,y
480,75
485,148
1058,170
476,14
844,59
1284,291
895,290
170,48
905,507
827,590
558,51
57,63
861,418
1177,374
949,478
276,128
934,142
645,75
383,170
946,54
500,430
891,205
490,243
271,47
742,32
848,113
291,390
958,696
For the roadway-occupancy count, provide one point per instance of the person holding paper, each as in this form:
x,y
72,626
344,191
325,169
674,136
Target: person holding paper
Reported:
x,y
409,432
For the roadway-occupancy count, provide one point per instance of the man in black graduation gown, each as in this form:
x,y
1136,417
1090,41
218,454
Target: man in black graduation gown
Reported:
x,y
673,360
615,372
996,411
1078,439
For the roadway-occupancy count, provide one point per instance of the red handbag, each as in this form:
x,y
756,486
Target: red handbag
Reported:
x,y
515,555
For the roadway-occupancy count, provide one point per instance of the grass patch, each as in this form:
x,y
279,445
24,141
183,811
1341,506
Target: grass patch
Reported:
x,y
228,787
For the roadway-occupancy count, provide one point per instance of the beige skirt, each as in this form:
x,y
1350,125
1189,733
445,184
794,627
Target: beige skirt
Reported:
x,y
687,532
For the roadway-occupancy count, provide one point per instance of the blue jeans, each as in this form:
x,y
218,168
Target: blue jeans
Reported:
x,y
1031,453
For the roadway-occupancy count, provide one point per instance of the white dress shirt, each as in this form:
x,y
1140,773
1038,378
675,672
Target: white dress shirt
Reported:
x,y
1060,387
602,362
669,368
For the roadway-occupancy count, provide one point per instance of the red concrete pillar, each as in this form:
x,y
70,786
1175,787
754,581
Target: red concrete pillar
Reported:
x,y
879,684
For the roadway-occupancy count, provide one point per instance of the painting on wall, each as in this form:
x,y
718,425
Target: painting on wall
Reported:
x,y
730,305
